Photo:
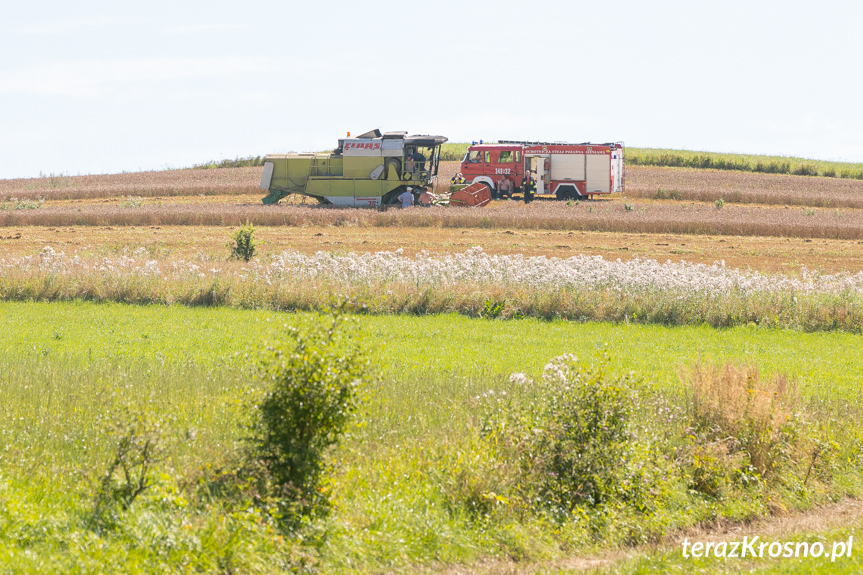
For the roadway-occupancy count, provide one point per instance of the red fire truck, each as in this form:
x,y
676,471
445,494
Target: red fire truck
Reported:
x,y
566,171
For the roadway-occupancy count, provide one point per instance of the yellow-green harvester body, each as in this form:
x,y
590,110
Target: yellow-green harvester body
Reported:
x,y
370,170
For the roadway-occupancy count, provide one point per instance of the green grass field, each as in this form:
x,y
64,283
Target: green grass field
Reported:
x,y
67,370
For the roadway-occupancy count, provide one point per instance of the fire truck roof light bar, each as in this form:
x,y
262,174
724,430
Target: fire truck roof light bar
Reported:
x,y
555,143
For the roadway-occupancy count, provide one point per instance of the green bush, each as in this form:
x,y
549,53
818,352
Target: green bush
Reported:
x,y
492,308
314,380
243,243
572,435
772,167
805,170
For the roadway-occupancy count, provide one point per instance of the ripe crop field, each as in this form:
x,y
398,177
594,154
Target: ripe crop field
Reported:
x,y
611,215
442,465
742,187
228,181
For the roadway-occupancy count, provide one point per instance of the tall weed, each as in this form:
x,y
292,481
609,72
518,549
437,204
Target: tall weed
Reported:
x,y
745,429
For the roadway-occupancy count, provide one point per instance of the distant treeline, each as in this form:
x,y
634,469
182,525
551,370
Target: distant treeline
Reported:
x,y
248,162
743,163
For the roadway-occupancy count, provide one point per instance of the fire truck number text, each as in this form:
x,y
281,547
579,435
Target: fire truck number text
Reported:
x,y
502,171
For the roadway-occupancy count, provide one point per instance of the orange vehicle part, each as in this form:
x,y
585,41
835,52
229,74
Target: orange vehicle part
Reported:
x,y
474,196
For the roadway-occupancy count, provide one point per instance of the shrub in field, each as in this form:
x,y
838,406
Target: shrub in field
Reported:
x,y
314,379
804,169
772,167
848,173
586,421
572,435
492,308
720,203
243,243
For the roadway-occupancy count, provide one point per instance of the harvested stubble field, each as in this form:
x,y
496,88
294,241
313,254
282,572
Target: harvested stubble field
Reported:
x,y
207,243
609,215
689,184
228,181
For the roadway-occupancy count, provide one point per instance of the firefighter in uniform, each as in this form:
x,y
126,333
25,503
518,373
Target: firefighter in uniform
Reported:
x,y
528,187
457,179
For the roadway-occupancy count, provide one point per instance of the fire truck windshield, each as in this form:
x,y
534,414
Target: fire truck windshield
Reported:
x,y
474,156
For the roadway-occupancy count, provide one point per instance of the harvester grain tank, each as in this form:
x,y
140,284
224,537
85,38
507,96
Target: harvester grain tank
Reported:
x,y
369,170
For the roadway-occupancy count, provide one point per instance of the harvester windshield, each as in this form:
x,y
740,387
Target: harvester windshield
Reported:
x,y
422,156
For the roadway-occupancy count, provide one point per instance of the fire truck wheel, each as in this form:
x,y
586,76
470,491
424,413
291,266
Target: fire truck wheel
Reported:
x,y
567,193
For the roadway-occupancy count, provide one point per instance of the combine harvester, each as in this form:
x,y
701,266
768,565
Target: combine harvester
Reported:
x,y
370,170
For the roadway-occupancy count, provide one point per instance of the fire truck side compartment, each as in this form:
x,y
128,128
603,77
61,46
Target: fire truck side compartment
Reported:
x,y
598,173
567,167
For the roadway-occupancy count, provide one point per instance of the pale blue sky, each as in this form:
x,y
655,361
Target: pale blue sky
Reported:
x,y
102,87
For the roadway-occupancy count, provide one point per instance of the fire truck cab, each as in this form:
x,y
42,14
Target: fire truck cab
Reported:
x,y
565,171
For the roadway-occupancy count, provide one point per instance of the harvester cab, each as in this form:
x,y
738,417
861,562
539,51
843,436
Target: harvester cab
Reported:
x,y
371,169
